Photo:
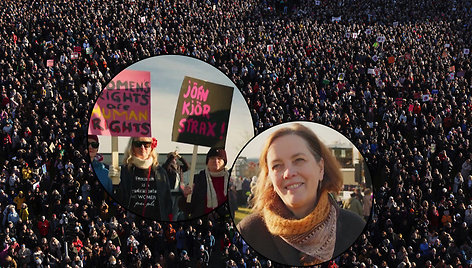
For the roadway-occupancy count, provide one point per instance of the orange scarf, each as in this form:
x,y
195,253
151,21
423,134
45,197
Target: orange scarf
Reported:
x,y
314,235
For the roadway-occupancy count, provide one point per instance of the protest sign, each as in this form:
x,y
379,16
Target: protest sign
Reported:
x,y
89,50
391,59
395,23
74,55
447,45
376,44
425,97
50,63
143,19
336,19
124,106
202,113
77,49
380,39
375,58
370,71
317,3
410,108
270,48
341,76
348,35
355,35
368,31
434,91
466,51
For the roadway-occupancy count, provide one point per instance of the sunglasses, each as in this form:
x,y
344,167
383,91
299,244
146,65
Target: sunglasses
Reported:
x,y
94,144
138,144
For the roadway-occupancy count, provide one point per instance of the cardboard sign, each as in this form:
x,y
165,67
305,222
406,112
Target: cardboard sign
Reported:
x,y
50,63
124,106
202,113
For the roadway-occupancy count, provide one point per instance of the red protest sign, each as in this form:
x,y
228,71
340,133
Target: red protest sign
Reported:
x,y
124,106
202,113
391,59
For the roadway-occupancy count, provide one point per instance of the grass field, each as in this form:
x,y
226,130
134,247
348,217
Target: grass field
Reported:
x,y
240,214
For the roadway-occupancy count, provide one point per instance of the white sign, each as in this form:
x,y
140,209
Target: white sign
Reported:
x,y
368,31
354,35
381,39
143,19
375,58
466,51
317,3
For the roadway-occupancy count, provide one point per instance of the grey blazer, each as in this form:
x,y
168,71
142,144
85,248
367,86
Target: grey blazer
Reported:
x,y
349,227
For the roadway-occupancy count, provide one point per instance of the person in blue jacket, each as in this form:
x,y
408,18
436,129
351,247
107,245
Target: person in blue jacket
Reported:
x,y
100,168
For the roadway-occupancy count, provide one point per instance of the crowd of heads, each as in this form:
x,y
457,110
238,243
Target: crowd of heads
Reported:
x,y
405,102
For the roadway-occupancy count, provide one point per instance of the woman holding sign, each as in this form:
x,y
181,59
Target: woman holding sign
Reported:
x,y
295,220
210,186
144,187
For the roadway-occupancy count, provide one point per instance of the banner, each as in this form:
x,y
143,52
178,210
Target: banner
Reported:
x,y
336,19
124,106
202,113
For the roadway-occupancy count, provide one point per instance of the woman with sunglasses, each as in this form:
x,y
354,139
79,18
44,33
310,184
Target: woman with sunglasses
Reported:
x,y
100,168
144,187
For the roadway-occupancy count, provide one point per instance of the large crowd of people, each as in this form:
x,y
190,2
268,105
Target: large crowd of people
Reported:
x,y
394,76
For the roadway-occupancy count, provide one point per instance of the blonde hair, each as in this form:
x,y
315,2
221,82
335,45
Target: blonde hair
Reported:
x,y
332,178
127,159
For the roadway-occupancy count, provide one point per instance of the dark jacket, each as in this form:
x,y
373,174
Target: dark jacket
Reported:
x,y
197,205
349,227
122,193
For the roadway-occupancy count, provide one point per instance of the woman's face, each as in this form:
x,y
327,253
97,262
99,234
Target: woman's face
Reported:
x,y
142,148
92,148
215,164
295,173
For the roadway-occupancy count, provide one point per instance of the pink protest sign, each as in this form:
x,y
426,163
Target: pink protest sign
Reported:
x,y
50,63
124,106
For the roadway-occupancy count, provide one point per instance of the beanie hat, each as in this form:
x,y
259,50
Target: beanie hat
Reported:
x,y
220,152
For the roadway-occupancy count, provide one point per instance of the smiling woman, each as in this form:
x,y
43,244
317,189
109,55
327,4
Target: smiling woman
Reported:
x,y
295,219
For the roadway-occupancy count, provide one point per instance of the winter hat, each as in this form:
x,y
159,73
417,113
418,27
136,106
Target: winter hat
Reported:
x,y
220,152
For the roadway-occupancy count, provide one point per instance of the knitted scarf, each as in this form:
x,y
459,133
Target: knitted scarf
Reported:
x,y
140,163
314,235
212,199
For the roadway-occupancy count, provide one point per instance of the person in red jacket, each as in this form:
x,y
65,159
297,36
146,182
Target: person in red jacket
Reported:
x,y
43,226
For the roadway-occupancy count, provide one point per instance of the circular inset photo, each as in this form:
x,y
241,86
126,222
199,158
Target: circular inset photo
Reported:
x,y
163,134
300,194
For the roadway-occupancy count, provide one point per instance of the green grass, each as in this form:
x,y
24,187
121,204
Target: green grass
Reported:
x,y
240,214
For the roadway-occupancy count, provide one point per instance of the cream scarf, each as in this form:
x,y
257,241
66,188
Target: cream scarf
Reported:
x,y
212,199
314,236
140,163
